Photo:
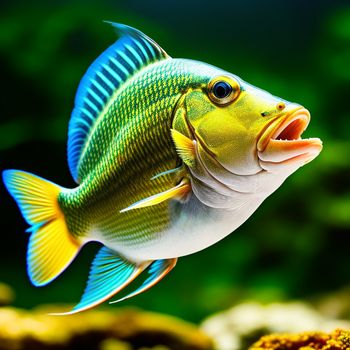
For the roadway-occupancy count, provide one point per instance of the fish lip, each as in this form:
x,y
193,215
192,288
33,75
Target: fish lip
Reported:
x,y
280,124
281,142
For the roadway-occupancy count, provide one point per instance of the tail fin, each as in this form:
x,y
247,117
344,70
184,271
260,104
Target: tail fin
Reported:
x,y
51,246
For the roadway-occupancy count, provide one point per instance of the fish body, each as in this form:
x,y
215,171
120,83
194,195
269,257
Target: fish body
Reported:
x,y
170,156
105,188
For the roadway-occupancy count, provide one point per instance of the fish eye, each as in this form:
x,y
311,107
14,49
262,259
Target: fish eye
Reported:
x,y
223,90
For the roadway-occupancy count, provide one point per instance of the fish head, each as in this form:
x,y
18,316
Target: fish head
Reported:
x,y
241,130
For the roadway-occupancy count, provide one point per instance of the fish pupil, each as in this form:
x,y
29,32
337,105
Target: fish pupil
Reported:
x,y
222,89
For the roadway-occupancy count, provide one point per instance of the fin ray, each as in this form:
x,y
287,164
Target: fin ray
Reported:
x,y
51,246
167,172
185,147
157,271
108,275
179,191
132,51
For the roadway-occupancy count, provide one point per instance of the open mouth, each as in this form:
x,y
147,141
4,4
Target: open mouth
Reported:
x,y
281,143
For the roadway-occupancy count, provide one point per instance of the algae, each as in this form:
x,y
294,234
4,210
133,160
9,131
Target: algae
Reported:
x,y
337,340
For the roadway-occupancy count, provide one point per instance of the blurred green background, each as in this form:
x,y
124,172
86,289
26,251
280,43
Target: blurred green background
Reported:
x,y
296,246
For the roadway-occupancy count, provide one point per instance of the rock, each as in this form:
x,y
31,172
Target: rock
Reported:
x,y
240,326
114,344
123,329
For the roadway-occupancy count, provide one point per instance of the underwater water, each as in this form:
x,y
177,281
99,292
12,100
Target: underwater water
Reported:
x,y
295,247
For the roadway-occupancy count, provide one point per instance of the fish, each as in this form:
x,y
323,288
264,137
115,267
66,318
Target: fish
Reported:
x,y
169,157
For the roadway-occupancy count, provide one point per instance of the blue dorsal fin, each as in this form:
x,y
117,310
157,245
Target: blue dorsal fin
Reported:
x,y
109,274
130,53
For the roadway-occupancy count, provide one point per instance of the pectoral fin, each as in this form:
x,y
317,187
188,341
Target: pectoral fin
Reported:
x,y
185,147
157,270
179,191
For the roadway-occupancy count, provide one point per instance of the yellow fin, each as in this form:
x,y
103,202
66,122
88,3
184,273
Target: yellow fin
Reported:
x,y
51,246
179,191
185,147
51,249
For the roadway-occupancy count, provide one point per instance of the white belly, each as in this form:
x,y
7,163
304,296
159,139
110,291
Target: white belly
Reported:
x,y
194,227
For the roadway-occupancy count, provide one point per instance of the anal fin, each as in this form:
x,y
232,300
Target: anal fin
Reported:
x,y
157,270
109,274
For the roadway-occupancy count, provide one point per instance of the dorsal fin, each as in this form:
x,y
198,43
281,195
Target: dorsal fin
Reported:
x,y
131,52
